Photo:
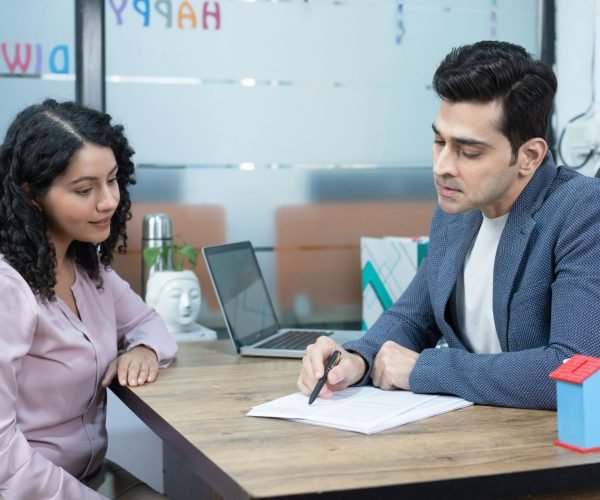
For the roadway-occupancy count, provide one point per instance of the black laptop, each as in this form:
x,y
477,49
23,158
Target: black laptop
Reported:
x,y
248,310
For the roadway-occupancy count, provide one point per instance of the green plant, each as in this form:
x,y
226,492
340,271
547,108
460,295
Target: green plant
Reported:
x,y
179,254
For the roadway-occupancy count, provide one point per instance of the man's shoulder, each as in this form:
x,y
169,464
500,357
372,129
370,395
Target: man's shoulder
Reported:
x,y
573,199
571,188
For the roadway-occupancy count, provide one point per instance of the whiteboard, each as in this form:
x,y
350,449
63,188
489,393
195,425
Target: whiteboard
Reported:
x,y
287,83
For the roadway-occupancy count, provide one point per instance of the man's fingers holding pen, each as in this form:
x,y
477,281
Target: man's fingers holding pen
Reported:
x,y
313,363
349,370
318,354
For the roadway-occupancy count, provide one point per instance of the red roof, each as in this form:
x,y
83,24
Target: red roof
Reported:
x,y
576,369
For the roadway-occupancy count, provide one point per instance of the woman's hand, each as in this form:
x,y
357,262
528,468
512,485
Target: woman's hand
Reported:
x,y
134,367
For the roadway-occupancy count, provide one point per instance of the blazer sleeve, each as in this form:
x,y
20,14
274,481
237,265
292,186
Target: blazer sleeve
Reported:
x,y
566,323
24,473
557,317
409,322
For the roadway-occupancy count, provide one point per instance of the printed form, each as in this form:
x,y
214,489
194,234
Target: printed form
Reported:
x,y
360,409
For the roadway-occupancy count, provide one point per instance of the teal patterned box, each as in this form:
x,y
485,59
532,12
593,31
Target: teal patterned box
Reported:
x,y
388,266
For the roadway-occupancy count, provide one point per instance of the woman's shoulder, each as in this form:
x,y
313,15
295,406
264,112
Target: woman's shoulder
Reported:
x,y
11,282
9,272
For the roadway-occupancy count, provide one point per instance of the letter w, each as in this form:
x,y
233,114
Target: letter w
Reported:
x,y
12,64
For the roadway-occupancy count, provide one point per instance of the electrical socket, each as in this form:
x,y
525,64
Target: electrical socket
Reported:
x,y
584,136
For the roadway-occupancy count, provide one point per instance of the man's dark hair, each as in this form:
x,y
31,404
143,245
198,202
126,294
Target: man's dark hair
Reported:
x,y
38,148
488,71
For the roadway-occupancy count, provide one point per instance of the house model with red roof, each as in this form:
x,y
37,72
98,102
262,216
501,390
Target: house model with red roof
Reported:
x,y
578,403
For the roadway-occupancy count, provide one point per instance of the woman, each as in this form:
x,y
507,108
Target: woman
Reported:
x,y
69,323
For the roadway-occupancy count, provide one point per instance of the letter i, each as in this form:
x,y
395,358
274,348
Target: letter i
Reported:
x,y
38,58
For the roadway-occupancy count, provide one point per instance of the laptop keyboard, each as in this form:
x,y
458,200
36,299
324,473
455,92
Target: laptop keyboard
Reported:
x,y
294,339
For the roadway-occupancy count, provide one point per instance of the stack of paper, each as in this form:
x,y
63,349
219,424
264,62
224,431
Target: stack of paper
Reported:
x,y
360,409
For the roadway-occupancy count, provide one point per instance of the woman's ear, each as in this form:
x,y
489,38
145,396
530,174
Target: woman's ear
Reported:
x,y
30,194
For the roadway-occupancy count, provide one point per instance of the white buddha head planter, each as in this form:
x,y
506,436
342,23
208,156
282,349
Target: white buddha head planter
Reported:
x,y
176,297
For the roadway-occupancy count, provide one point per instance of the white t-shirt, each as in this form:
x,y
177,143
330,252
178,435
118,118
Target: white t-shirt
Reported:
x,y
475,289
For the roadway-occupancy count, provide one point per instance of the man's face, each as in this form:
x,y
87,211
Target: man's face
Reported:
x,y
473,165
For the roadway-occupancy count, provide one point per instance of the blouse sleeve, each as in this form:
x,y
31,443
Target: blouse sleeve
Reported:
x,y
24,473
138,323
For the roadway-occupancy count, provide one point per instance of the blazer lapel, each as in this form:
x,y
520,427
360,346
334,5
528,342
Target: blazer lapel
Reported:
x,y
459,237
510,252
513,243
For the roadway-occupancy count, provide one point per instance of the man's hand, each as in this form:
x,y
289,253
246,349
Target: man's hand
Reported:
x,y
135,367
349,370
392,366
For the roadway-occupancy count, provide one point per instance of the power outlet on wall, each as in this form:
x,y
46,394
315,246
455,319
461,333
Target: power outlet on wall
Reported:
x,y
584,137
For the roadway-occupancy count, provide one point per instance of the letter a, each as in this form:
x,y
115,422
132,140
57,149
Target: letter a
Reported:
x,y
191,14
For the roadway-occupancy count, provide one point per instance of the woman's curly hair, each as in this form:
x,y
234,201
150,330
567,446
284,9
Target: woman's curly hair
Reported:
x,y
38,147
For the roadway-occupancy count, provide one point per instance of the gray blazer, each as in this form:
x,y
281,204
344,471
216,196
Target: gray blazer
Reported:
x,y
546,297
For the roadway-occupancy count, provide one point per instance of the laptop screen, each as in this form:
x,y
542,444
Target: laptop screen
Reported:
x,y
242,292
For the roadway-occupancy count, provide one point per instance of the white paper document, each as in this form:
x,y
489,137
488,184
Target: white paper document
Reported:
x,y
360,409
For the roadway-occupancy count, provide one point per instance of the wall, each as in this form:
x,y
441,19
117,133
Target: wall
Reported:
x,y
576,22
286,83
37,57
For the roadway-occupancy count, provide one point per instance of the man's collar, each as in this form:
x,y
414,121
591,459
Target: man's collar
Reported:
x,y
534,193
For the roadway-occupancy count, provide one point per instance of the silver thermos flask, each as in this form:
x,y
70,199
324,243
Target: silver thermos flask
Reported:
x,y
157,231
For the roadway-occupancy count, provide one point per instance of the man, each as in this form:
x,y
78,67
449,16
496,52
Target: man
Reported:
x,y
512,279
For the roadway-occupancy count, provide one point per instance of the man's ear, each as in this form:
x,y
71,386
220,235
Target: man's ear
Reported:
x,y
27,188
531,155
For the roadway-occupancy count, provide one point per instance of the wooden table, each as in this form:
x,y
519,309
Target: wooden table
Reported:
x,y
198,408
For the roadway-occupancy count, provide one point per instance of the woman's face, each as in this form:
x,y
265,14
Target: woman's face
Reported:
x,y
80,203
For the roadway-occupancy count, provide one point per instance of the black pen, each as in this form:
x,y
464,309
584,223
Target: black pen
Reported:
x,y
333,360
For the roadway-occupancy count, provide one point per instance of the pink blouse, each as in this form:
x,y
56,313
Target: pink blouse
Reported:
x,y
52,407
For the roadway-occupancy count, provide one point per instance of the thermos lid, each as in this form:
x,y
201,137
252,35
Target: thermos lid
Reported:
x,y
157,227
